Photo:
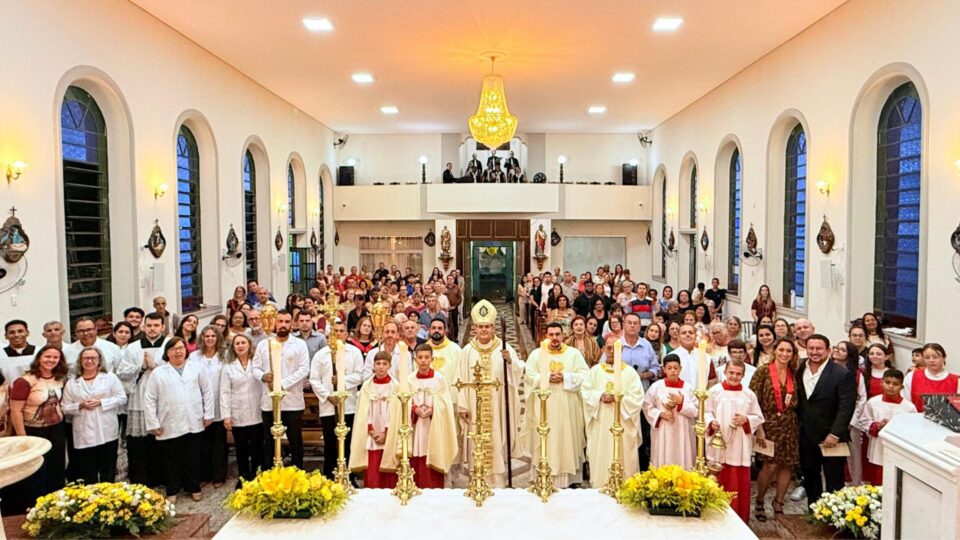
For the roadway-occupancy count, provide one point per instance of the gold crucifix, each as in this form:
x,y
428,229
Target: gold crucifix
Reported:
x,y
479,488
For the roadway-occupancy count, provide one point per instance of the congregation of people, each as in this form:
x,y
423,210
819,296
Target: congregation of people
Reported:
x,y
784,398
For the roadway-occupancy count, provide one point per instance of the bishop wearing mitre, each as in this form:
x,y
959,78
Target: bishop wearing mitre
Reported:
x,y
492,354
598,392
562,370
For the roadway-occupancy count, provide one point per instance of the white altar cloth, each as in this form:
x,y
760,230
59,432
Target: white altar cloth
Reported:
x,y
447,514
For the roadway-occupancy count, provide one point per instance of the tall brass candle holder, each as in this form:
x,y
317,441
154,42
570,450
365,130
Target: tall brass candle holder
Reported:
x,y
342,474
702,465
277,429
406,488
615,472
479,489
543,485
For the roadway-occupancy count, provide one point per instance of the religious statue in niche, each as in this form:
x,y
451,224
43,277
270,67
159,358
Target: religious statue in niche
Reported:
x,y
233,243
430,239
704,239
671,242
825,237
540,240
14,241
445,241
554,238
156,242
751,240
278,239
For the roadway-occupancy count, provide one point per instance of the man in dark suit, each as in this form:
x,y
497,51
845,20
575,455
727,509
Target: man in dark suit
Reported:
x,y
827,396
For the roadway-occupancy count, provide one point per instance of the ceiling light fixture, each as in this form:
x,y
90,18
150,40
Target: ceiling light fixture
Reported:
x,y
362,77
317,24
493,124
389,109
597,109
667,24
623,77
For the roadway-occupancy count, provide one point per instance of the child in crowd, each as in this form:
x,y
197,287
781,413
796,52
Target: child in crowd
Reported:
x,y
878,411
671,410
378,415
434,440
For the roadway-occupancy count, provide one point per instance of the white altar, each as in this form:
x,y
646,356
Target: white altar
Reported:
x,y
921,480
447,514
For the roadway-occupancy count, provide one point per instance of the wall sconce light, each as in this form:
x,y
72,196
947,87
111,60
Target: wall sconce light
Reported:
x,y
702,208
316,211
160,190
352,162
633,162
423,169
281,208
957,165
823,187
14,170
670,211
561,159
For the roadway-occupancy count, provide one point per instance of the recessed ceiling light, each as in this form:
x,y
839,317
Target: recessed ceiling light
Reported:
x,y
667,24
597,109
362,78
389,109
623,77
317,24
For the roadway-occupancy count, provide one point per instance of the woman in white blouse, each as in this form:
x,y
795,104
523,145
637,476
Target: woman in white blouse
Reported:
x,y
93,398
177,406
210,354
240,396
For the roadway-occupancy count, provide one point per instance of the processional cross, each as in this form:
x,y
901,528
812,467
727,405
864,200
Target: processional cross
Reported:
x,y
479,488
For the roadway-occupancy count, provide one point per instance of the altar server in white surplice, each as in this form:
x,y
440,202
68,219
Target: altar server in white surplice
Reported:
x,y
490,352
733,413
566,370
598,402
878,411
671,411
434,423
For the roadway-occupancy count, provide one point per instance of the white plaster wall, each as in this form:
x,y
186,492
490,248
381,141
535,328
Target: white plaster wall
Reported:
x,y
394,157
593,157
820,74
158,75
638,252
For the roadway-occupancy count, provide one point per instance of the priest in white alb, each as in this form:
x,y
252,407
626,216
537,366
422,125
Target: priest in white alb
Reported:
x,y
446,354
561,369
492,354
598,391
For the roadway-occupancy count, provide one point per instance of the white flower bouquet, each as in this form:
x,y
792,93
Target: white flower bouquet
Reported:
x,y
856,509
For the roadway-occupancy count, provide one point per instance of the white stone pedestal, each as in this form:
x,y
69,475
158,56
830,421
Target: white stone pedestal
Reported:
x,y
921,480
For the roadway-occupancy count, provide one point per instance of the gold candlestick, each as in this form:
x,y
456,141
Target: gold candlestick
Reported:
x,y
342,474
277,429
406,488
615,472
479,488
543,485
702,465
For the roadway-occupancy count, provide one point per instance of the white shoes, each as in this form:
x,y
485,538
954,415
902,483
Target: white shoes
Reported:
x,y
798,494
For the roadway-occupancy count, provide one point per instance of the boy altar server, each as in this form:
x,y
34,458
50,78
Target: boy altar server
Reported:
x,y
671,410
434,440
378,416
598,402
561,369
733,413
876,414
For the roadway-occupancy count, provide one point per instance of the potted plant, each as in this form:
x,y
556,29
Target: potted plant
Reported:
x,y
674,491
288,492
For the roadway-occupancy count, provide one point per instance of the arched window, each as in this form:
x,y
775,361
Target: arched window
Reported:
x,y
693,197
733,232
291,197
86,210
320,236
663,229
795,219
250,214
897,255
188,221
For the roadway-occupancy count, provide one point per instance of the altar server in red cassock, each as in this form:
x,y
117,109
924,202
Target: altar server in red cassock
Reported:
x,y
378,415
878,411
671,410
934,379
434,441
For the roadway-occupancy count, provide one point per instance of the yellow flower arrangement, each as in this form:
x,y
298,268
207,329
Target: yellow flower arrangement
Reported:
x,y
289,492
856,509
671,487
103,510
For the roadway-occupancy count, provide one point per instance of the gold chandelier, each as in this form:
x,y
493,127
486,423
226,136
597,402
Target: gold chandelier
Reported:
x,y
493,124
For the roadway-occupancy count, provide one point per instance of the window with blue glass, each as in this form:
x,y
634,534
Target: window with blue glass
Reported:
x,y
320,236
897,247
188,221
663,229
693,198
733,231
291,198
86,211
795,220
250,214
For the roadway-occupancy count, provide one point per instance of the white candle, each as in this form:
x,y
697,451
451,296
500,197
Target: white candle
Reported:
x,y
404,368
341,367
617,365
545,357
702,367
276,363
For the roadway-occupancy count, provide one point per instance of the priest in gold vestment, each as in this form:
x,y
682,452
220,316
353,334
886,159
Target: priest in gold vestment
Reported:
x,y
598,403
490,352
566,441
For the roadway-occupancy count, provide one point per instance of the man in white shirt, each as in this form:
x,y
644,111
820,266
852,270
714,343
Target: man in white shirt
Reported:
x,y
569,286
16,356
294,368
86,330
689,354
545,287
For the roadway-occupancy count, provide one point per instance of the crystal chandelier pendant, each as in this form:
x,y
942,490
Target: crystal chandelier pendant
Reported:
x,y
493,124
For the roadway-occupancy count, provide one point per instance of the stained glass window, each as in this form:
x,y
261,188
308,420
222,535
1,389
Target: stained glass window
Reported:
x,y
250,213
733,231
795,220
188,221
